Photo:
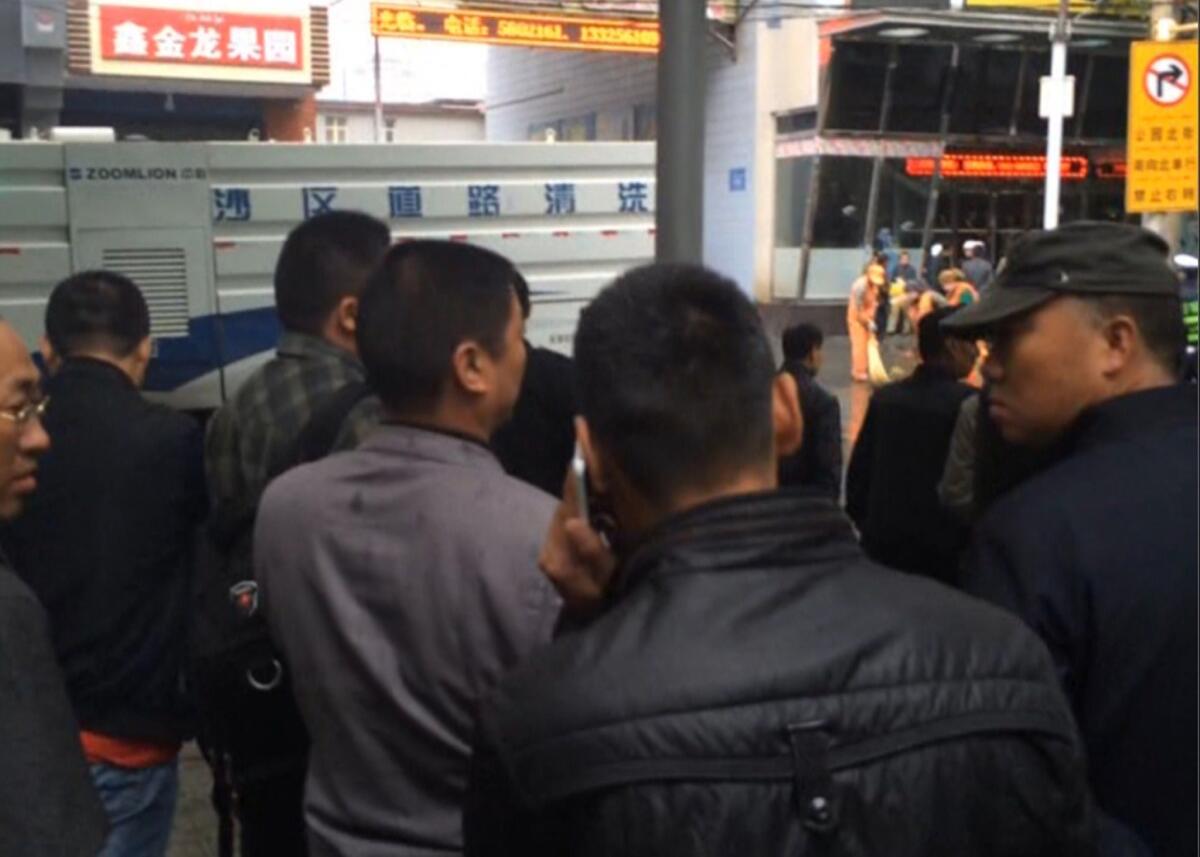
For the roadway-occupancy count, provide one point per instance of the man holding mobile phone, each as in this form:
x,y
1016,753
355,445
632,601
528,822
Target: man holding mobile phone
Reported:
x,y
737,677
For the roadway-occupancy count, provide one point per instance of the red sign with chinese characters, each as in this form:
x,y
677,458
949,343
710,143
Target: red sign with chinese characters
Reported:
x,y
180,37
984,165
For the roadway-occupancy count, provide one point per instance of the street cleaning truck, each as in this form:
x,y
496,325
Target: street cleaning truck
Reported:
x,y
198,227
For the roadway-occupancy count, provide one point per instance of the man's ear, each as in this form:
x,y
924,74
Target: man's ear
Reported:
x,y
49,355
1121,340
138,361
597,473
785,412
346,315
471,365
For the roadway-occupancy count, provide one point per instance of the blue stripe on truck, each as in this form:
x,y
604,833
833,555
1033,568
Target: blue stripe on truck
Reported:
x,y
213,341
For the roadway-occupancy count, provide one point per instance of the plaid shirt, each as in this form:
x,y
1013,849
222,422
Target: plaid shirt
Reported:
x,y
250,438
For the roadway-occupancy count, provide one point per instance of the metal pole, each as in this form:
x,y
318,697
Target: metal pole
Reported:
x,y
1054,137
872,219
935,182
679,219
378,94
825,82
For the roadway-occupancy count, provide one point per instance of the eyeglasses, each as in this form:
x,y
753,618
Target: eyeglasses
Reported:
x,y
22,415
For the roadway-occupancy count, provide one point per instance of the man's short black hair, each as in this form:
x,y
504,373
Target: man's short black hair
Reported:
x,y
522,289
931,338
324,259
800,340
422,302
1159,319
675,378
97,311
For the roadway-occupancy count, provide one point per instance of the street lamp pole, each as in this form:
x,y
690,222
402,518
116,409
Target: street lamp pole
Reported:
x,y
1059,36
378,95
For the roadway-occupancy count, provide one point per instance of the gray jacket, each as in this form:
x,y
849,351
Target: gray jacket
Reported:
x,y
48,805
400,581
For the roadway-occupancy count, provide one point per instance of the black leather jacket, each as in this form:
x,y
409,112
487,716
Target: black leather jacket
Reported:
x,y
758,687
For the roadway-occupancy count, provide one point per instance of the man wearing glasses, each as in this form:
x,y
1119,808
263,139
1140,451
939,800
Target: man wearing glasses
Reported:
x,y
47,803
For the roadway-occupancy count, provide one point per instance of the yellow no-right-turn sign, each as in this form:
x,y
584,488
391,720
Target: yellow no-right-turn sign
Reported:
x,y
1162,134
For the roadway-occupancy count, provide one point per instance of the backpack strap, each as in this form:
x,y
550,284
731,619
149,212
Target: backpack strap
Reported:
x,y
320,433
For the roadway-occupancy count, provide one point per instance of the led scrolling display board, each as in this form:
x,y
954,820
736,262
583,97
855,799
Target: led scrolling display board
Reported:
x,y
981,165
564,32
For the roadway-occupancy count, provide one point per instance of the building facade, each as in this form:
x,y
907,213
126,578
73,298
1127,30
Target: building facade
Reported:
x,y
164,69
438,121
833,131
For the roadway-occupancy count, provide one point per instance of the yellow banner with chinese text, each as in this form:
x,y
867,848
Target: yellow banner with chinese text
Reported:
x,y
1162,132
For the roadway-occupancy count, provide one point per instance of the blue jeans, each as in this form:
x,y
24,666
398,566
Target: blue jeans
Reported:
x,y
141,806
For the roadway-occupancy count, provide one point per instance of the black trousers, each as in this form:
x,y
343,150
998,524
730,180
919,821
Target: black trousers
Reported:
x,y
271,816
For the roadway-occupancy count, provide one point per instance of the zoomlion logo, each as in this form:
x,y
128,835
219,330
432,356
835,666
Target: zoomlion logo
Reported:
x,y
153,174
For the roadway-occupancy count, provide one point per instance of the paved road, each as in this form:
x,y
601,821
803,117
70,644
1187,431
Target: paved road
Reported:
x,y
195,832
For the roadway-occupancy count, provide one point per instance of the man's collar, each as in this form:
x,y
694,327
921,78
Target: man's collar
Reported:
x,y
305,345
737,530
430,442
934,372
448,432
1133,414
96,367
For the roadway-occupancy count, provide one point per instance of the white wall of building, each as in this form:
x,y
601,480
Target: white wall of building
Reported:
x,y
528,87
729,113
788,54
775,69
358,126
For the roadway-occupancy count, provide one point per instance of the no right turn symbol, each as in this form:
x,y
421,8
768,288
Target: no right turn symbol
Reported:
x,y
1167,80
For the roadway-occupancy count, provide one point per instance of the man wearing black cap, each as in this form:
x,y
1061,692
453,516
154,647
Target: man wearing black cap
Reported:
x,y
1099,552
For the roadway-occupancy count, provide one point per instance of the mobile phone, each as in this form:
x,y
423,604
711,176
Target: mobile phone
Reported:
x,y
579,479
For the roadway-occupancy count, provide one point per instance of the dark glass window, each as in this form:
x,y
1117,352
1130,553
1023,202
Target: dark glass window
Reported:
x,y
983,95
902,203
920,78
1038,64
856,90
793,189
842,202
1107,102
793,123
645,122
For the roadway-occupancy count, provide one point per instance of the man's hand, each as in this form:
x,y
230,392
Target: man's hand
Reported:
x,y
575,558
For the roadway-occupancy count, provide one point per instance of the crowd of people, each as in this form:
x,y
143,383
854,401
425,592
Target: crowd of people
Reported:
x,y
421,588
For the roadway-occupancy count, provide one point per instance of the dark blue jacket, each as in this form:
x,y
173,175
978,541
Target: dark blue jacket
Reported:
x,y
536,444
1099,555
106,544
891,483
818,462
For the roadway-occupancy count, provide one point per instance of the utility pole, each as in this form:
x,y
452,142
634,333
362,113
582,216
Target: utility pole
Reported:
x,y
1060,34
679,236
378,94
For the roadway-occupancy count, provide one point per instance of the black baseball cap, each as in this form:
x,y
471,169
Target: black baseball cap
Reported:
x,y
1082,258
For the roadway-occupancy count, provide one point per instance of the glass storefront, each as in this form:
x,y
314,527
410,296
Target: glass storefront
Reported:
x,y
832,209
